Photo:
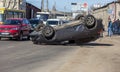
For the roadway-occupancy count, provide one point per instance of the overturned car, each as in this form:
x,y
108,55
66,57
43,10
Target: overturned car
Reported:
x,y
83,29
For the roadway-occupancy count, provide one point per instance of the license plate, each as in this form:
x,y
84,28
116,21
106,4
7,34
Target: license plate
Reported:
x,y
4,33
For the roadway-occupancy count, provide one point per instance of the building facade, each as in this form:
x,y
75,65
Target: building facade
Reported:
x,y
79,8
13,4
31,11
109,11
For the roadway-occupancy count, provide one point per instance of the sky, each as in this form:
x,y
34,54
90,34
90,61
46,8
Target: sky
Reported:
x,y
61,5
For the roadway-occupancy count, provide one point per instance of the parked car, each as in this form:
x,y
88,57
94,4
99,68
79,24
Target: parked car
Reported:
x,y
15,28
54,22
34,22
116,27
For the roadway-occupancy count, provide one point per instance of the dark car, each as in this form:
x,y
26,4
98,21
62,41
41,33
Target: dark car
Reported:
x,y
116,27
15,28
34,22
82,30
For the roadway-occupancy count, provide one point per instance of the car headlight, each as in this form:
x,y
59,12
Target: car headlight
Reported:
x,y
14,28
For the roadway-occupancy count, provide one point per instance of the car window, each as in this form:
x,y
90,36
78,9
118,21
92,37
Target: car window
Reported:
x,y
25,21
34,21
52,22
12,22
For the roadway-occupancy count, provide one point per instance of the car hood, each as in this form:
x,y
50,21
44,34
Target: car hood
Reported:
x,y
9,26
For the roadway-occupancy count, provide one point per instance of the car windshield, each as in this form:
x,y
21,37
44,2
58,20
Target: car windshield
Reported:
x,y
12,22
44,17
52,22
34,21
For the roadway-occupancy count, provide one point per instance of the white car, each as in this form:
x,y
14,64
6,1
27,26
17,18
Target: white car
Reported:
x,y
54,22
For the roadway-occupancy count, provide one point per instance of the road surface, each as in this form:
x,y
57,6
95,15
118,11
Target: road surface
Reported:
x,y
23,56
102,55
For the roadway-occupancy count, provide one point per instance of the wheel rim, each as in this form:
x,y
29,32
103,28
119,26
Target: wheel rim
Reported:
x,y
48,31
90,21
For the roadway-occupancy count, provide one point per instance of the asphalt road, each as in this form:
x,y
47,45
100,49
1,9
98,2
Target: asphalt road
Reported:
x,y
102,55
23,56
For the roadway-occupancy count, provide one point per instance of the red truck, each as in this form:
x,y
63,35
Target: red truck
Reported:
x,y
15,28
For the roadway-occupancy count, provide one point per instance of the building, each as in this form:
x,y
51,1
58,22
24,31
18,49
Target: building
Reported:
x,y
31,11
13,4
20,5
108,11
79,8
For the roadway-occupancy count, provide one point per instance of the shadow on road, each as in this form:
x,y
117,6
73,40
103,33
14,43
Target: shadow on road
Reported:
x,y
96,44
85,44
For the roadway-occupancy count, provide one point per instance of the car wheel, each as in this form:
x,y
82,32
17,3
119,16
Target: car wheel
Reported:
x,y
48,32
79,17
90,21
20,37
28,37
10,38
0,38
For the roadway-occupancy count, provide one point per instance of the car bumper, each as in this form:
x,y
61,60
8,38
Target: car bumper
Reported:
x,y
8,35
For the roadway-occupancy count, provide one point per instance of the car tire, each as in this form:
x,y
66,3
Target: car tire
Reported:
x,y
20,38
10,38
0,38
90,21
28,37
48,32
80,18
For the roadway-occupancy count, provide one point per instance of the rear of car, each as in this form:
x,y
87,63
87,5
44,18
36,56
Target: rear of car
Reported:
x,y
116,27
15,28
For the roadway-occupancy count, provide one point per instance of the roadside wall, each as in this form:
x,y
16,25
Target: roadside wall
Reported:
x,y
111,10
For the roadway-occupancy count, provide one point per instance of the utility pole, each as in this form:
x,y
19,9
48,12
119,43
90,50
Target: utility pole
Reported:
x,y
47,6
18,4
54,10
42,5
115,9
4,1
64,11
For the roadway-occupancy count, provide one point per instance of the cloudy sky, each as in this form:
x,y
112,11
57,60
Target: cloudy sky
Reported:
x,y
60,4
